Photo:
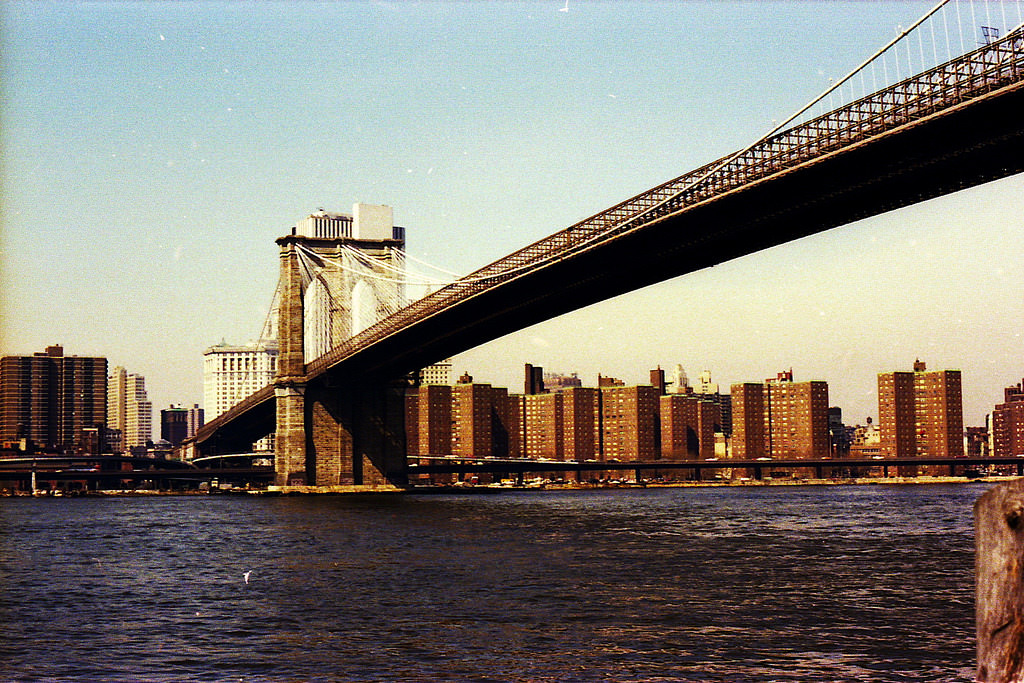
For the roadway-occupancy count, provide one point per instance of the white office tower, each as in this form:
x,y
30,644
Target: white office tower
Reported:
x,y
355,266
128,409
680,382
232,373
437,374
706,386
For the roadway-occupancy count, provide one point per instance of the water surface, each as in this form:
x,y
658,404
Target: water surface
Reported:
x,y
716,584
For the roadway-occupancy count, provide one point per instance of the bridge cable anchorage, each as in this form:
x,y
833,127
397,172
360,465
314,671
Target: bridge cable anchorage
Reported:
x,y
401,272
468,279
366,290
324,262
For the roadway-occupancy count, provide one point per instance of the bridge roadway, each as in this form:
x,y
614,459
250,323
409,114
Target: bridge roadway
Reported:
x,y
950,128
107,469
97,469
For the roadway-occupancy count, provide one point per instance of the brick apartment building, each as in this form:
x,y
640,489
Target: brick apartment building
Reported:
x,y
920,413
1008,423
780,419
54,401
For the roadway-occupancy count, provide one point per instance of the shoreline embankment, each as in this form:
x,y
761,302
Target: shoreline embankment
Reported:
x,y
493,489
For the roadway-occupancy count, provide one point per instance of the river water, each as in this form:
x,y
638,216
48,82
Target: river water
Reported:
x,y
851,583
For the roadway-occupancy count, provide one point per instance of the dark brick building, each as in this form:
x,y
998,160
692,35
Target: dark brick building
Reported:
x,y
52,400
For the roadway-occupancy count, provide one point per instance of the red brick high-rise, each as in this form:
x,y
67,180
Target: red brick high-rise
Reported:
x,y
748,421
920,413
581,423
780,419
429,420
629,422
1008,423
797,419
50,399
543,430
687,427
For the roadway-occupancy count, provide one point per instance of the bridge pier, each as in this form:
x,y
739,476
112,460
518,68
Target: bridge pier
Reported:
x,y
330,435
378,436
290,382
290,440
347,437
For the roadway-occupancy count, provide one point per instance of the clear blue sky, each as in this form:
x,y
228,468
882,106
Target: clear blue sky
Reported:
x,y
152,151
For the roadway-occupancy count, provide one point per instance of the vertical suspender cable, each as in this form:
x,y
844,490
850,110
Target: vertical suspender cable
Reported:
x,y
910,59
896,56
974,21
935,51
960,28
921,47
945,26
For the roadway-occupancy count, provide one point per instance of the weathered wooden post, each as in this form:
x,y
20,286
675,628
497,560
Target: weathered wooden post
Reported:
x,y
999,583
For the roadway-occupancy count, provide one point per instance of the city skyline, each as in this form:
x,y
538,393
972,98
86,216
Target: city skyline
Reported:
x,y
154,152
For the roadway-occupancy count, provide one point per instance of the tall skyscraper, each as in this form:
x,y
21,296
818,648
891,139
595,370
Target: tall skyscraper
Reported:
x,y
658,380
128,409
50,399
680,383
533,380
920,413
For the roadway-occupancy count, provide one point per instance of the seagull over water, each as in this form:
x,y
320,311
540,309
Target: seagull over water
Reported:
x,y
566,8
246,576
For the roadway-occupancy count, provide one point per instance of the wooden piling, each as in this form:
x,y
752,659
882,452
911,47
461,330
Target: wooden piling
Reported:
x,y
999,583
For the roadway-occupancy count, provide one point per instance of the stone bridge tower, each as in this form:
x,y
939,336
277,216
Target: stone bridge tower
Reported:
x,y
336,434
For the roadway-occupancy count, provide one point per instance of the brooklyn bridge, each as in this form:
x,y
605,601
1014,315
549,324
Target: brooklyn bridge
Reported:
x,y
336,404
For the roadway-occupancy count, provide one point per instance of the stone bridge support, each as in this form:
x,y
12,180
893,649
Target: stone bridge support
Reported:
x,y
356,436
330,435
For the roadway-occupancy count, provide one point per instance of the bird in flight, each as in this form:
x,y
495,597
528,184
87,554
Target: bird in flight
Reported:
x,y
566,8
246,576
